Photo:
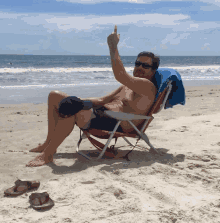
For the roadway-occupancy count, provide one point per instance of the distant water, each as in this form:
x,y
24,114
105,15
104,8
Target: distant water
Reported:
x,y
23,72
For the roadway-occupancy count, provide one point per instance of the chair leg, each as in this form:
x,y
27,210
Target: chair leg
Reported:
x,y
126,140
81,153
109,140
105,147
145,138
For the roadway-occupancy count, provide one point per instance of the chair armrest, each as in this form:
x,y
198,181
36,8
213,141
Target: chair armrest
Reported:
x,y
125,116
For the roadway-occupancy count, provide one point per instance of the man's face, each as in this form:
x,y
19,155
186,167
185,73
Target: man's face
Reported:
x,y
147,73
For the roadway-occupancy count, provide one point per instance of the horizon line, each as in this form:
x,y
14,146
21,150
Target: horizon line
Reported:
x,y
107,55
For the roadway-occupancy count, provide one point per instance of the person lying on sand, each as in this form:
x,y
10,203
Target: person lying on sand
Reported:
x,y
135,95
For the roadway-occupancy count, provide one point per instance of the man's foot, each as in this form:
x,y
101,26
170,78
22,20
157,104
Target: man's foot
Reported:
x,y
40,160
40,148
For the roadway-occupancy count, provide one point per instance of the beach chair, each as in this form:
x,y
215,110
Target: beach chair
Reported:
x,y
170,93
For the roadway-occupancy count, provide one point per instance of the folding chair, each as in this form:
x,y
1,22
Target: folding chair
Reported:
x,y
138,131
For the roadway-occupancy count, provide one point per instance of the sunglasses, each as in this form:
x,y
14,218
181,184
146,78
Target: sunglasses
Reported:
x,y
144,65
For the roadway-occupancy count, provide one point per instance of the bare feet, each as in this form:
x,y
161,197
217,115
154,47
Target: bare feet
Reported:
x,y
40,160
40,148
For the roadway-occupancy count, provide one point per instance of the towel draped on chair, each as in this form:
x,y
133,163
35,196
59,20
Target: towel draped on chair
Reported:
x,y
177,94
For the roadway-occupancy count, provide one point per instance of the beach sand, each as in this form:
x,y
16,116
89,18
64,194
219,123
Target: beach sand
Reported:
x,y
180,186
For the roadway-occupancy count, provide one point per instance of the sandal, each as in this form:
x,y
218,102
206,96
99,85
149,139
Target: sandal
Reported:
x,y
41,201
21,187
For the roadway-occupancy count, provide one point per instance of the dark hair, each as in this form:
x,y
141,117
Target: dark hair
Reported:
x,y
155,59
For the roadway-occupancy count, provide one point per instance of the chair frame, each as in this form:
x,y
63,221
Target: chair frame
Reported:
x,y
120,116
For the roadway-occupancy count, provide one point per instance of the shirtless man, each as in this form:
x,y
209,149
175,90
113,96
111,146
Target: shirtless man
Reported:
x,y
136,95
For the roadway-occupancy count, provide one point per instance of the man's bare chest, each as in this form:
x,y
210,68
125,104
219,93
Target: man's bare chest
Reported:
x,y
132,100
129,95
128,101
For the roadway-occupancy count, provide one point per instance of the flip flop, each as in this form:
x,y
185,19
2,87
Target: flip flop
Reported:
x,y
41,201
21,187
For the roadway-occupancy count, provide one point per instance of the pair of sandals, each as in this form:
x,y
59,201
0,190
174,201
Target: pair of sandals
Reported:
x,y
39,201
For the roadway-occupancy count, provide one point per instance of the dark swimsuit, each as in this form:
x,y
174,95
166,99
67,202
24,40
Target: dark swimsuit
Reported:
x,y
102,121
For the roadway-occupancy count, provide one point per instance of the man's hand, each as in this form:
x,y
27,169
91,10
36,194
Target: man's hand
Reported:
x,y
113,39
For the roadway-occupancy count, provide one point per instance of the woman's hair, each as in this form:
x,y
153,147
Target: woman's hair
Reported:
x,y
155,59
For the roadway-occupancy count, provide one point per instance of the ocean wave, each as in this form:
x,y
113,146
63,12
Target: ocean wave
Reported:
x,y
49,77
202,69
53,70
57,85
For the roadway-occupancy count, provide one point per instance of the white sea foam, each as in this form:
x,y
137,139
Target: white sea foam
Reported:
x,y
54,70
98,69
56,85
24,78
197,67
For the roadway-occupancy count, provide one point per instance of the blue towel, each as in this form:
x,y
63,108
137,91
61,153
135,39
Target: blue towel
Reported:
x,y
177,94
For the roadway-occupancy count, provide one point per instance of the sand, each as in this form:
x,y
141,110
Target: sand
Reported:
x,y
180,186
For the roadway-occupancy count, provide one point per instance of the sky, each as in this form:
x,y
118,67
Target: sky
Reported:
x,y
81,27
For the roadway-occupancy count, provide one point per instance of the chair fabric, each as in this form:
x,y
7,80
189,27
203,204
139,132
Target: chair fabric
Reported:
x,y
166,97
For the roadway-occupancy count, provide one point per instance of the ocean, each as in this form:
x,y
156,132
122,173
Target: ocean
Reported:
x,y
30,78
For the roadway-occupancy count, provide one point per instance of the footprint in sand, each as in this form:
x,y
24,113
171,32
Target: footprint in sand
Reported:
x,y
119,194
204,158
4,212
88,182
181,129
191,166
116,172
205,121
197,114
19,113
192,90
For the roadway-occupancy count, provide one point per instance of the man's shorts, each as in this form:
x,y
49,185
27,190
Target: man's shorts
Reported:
x,y
102,121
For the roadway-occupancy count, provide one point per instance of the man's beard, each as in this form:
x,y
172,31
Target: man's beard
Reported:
x,y
139,72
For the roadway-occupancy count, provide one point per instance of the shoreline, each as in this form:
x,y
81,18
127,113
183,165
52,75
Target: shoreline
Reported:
x,y
40,95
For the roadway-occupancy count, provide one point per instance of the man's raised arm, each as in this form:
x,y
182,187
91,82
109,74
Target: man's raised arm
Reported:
x,y
136,84
117,65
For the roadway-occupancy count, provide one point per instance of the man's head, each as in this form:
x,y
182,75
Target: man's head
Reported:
x,y
146,65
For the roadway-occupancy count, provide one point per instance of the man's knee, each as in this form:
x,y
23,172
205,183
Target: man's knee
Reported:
x,y
72,105
57,95
83,116
56,92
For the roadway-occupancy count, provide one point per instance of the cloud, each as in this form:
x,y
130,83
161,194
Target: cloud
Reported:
x,y
163,46
57,33
100,1
92,22
175,38
214,2
211,2
123,43
205,46
194,26
39,23
62,22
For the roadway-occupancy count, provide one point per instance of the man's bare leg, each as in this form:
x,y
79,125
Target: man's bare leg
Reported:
x,y
58,129
53,101
63,128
